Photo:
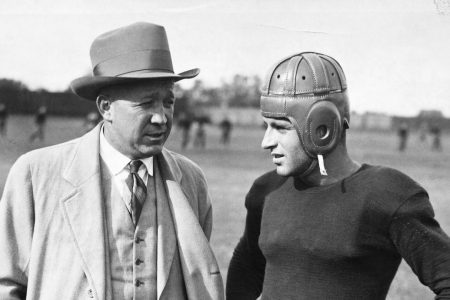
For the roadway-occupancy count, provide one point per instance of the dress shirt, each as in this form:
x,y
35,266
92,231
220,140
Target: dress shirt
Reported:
x,y
117,164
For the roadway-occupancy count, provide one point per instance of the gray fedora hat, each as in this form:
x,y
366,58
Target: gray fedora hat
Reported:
x,y
136,52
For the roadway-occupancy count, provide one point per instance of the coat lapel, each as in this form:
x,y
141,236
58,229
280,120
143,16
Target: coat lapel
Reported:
x,y
84,210
200,269
166,232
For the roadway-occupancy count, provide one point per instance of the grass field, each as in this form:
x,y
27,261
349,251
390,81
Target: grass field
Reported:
x,y
230,172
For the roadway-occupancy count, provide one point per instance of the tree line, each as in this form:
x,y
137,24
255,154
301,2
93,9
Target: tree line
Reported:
x,y
241,91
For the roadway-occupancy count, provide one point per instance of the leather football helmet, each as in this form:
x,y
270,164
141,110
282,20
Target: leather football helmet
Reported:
x,y
310,90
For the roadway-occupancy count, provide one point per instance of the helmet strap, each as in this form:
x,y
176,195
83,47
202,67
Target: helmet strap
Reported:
x,y
323,171
311,168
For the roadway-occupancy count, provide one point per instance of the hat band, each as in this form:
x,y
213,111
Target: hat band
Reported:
x,y
135,61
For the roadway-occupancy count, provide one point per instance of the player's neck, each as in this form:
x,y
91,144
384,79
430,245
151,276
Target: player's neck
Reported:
x,y
338,165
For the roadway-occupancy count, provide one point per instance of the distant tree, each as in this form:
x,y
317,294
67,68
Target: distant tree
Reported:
x,y
183,101
254,91
236,92
197,92
10,84
242,91
42,91
14,94
19,99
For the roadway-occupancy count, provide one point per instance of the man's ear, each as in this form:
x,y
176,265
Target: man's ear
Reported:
x,y
104,107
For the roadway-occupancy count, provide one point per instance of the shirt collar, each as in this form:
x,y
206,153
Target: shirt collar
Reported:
x,y
115,160
148,162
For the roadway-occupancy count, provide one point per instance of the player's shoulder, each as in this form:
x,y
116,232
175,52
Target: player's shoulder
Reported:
x,y
387,177
261,187
389,188
269,180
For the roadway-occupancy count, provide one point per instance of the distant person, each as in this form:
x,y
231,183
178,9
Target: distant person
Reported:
x,y
185,123
226,126
423,130
91,120
112,214
200,133
40,120
403,132
322,225
3,119
435,132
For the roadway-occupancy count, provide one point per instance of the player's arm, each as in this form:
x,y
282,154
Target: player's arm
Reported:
x,y
422,243
246,270
16,231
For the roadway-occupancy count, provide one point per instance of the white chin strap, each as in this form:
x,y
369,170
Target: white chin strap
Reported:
x,y
323,171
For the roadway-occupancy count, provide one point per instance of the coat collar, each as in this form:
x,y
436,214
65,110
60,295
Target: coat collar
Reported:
x,y
85,162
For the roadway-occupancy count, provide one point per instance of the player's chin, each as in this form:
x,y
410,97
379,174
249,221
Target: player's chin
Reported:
x,y
282,171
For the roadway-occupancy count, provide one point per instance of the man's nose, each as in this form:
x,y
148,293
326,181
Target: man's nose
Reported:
x,y
268,141
158,116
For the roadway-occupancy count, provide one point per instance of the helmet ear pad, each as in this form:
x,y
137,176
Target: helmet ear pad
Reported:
x,y
322,129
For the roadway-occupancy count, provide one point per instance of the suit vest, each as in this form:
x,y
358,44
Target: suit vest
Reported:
x,y
133,249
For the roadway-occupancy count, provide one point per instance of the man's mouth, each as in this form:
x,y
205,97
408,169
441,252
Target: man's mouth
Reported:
x,y
276,158
156,135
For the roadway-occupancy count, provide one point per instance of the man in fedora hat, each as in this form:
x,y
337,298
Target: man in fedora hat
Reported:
x,y
112,214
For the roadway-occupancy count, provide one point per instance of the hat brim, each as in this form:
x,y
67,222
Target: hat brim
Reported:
x,y
88,87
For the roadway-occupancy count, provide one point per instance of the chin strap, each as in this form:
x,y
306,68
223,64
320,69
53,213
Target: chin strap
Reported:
x,y
323,171
314,162
311,168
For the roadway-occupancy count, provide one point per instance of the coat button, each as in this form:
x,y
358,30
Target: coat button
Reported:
x,y
90,293
138,283
138,262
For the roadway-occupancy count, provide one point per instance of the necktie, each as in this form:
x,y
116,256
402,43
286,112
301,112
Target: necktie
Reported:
x,y
137,188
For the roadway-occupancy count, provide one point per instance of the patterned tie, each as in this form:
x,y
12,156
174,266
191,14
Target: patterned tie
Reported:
x,y
138,190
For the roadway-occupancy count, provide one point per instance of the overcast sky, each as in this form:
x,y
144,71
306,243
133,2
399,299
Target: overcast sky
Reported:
x,y
396,54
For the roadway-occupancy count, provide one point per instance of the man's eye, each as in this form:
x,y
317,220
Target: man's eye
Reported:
x,y
169,103
146,104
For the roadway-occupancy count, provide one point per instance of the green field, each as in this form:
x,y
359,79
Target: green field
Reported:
x,y
230,172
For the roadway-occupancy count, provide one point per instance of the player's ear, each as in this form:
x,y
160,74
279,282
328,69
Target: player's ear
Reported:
x,y
104,106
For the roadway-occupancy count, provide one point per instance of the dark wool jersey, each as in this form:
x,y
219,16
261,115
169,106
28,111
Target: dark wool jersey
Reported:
x,y
340,241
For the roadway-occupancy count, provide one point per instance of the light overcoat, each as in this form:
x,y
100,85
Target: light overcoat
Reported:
x,y
52,227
